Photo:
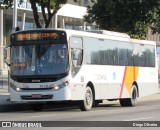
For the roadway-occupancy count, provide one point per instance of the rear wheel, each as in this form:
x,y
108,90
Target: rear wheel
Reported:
x,y
87,103
96,103
130,101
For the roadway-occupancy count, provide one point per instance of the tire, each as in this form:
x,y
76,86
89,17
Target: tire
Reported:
x,y
130,101
36,107
96,103
87,103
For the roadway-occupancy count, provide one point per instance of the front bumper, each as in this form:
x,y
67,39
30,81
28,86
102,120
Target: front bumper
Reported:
x,y
63,94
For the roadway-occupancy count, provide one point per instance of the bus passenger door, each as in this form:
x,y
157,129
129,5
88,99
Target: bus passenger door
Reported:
x,y
76,63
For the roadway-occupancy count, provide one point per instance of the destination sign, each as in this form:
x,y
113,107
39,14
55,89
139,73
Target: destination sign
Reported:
x,y
36,36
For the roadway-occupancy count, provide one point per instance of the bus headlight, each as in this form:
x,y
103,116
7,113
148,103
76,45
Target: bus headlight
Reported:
x,y
60,86
17,89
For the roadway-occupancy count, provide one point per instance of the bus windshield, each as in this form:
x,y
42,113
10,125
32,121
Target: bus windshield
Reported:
x,y
47,59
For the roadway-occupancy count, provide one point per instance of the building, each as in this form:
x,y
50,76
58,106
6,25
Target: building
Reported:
x,y
70,16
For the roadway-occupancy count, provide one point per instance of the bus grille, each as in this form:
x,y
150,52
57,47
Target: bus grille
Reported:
x,y
36,88
36,98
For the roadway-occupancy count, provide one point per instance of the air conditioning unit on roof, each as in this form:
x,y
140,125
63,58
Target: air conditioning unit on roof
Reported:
x,y
110,33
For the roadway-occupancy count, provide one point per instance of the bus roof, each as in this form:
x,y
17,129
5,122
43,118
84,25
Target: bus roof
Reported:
x,y
109,35
101,34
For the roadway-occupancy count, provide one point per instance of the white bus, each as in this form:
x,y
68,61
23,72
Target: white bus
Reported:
x,y
51,65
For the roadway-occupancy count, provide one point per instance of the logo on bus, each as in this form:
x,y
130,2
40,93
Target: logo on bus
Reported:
x,y
101,77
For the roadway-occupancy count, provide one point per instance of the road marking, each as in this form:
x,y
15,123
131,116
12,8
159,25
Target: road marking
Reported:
x,y
138,119
43,116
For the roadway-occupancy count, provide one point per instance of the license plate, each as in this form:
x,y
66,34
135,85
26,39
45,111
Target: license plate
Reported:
x,y
36,95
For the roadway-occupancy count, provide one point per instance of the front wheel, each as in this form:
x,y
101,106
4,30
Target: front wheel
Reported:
x,y
87,103
130,101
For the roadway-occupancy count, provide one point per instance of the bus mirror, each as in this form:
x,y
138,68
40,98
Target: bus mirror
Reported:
x,y
74,63
75,55
6,55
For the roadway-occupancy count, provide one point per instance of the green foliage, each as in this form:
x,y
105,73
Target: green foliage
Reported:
x,y
52,4
5,4
49,9
134,17
80,1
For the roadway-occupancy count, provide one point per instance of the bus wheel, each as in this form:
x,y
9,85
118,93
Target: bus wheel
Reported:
x,y
130,101
36,107
96,103
87,103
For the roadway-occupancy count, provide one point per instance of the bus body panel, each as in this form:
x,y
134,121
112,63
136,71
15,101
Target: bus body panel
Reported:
x,y
112,82
147,81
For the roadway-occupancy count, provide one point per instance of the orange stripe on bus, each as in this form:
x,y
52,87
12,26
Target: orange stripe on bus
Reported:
x,y
122,85
130,75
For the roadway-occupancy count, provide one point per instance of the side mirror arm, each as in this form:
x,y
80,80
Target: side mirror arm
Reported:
x,y
5,55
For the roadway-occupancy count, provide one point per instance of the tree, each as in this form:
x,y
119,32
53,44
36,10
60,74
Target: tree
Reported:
x,y
49,9
134,17
5,4
80,1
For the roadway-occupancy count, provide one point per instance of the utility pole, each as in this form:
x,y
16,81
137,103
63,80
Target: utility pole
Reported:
x,y
1,40
14,15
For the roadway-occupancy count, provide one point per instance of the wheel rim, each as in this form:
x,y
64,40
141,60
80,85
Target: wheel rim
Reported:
x,y
134,96
88,99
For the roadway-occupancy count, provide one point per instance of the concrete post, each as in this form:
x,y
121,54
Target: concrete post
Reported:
x,y
84,25
1,39
62,23
23,20
54,21
14,15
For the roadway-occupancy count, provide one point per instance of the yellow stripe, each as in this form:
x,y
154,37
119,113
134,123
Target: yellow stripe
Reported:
x,y
131,76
